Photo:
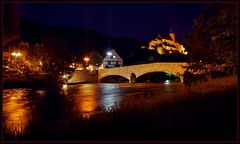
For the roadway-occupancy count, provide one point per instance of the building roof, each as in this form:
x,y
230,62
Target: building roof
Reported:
x,y
112,53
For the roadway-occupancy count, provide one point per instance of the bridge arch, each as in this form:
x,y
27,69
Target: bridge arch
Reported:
x,y
114,79
157,76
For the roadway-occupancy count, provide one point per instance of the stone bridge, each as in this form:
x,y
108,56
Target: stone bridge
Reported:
x,y
176,68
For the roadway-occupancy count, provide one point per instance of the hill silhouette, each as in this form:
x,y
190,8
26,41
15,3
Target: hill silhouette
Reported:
x,y
81,42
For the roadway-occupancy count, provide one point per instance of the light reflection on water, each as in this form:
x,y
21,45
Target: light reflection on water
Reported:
x,y
86,98
21,105
16,110
93,97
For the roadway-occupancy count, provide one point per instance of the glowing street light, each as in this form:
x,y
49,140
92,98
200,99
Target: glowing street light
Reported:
x,y
86,59
16,54
13,54
65,86
64,76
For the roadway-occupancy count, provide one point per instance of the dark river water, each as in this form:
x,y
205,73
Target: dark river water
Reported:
x,y
22,105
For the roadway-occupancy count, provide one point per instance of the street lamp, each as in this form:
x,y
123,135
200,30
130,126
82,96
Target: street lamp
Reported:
x,y
64,76
86,59
13,54
16,54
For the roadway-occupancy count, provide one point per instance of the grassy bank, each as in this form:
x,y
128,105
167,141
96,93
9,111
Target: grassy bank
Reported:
x,y
200,111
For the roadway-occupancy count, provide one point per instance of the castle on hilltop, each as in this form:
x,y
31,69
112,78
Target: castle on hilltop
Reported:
x,y
166,45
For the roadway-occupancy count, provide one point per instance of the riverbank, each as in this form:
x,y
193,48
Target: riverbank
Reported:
x,y
201,111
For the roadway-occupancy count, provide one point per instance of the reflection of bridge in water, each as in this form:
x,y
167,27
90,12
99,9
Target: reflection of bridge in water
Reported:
x,y
176,68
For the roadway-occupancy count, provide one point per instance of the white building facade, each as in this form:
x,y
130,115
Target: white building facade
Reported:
x,y
112,60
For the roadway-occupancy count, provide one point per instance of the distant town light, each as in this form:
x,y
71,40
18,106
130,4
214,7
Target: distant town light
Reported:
x,y
13,54
64,76
143,47
65,86
109,53
90,67
16,54
167,82
86,59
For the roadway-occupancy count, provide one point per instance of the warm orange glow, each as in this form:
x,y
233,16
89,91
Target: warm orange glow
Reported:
x,y
86,59
72,65
16,54
65,86
90,68
15,112
160,44
64,76
13,54
65,89
86,101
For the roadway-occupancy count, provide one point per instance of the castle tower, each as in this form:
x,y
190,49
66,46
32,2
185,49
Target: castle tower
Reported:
x,y
172,35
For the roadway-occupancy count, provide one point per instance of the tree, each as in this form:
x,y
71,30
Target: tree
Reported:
x,y
96,58
52,59
212,39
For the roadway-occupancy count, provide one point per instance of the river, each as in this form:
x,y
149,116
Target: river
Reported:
x,y
23,105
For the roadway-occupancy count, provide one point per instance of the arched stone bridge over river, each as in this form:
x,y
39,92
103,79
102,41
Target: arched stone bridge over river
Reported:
x,y
176,68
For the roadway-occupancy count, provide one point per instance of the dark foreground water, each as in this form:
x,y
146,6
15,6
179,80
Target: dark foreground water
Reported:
x,y
162,111
22,105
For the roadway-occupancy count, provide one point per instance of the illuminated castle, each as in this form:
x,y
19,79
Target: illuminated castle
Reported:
x,y
166,46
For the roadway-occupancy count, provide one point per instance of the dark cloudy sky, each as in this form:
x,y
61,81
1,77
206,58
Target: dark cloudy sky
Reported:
x,y
135,20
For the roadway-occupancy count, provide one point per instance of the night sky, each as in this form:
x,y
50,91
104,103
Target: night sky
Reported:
x,y
139,20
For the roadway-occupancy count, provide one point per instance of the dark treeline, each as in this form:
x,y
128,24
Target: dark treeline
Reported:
x,y
213,38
